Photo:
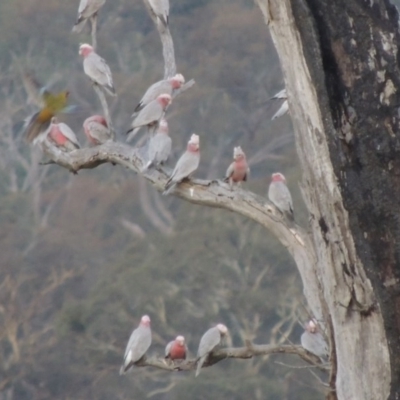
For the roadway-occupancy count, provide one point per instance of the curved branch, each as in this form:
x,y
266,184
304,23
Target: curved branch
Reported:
x,y
250,351
211,193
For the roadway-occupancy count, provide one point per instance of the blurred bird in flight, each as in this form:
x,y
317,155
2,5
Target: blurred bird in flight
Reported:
x,y
51,105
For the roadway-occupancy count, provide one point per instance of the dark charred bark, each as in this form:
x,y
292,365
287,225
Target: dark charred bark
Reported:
x,y
350,54
359,49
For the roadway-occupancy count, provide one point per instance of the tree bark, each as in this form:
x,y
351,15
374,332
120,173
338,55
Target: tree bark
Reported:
x,y
340,64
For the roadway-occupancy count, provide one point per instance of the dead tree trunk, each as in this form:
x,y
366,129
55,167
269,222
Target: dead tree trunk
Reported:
x,y
340,63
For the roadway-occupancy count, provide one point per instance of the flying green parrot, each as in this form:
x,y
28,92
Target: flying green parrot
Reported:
x,y
52,105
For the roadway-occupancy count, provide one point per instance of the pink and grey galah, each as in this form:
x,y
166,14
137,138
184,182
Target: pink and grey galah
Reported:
x,y
159,146
138,344
161,9
167,86
238,171
212,339
62,136
186,165
279,195
151,114
96,68
96,130
176,349
87,9
313,340
284,108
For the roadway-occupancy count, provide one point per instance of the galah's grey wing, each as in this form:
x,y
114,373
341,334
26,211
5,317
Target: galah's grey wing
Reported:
x,y
283,109
208,342
83,5
87,8
149,114
279,194
314,344
98,70
185,166
168,348
229,171
153,92
99,131
69,134
163,149
280,95
247,176
160,9
138,344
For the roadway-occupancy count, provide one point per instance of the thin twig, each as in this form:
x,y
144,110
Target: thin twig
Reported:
x,y
93,22
104,105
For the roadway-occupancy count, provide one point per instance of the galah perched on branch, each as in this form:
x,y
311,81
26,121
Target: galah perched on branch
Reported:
x,y
284,108
62,136
186,165
313,340
138,344
238,171
209,342
165,86
159,146
52,104
96,130
151,114
279,195
161,9
96,68
87,9
176,349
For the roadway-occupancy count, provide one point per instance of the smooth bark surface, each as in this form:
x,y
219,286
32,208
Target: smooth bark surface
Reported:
x,y
340,65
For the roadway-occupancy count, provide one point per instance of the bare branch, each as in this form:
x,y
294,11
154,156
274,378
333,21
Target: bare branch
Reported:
x,y
211,193
167,44
250,351
104,105
93,22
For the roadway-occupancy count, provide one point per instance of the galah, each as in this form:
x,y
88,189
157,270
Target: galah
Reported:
x,y
87,9
186,165
62,136
151,114
96,68
313,340
96,130
209,342
138,344
159,146
161,9
176,349
238,171
165,86
52,104
279,195
284,108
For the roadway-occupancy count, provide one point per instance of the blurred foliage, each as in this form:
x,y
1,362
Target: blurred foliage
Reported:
x,y
83,257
